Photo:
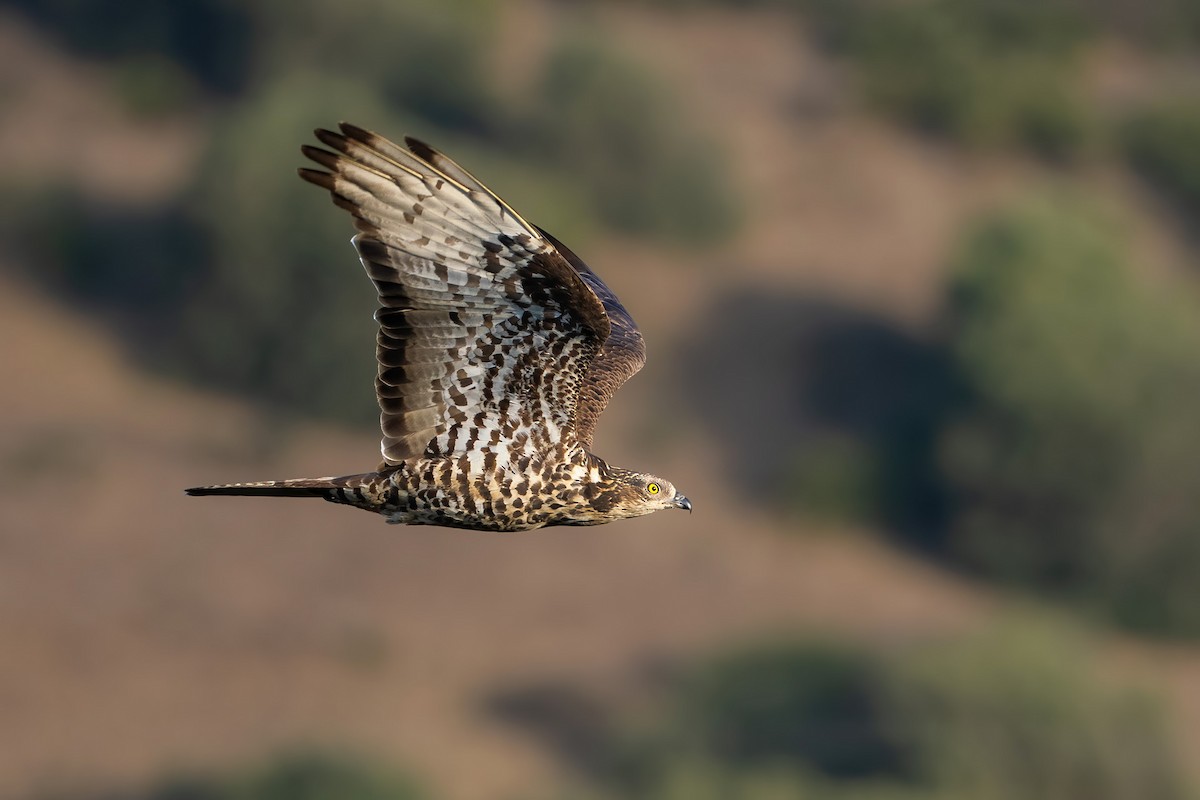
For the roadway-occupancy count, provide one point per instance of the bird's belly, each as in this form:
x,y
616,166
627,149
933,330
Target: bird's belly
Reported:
x,y
452,494
453,518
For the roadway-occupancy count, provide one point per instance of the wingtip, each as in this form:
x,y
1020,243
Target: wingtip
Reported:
x,y
352,131
317,177
420,148
325,158
331,139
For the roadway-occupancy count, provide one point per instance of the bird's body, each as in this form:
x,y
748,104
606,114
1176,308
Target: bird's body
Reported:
x,y
498,349
492,489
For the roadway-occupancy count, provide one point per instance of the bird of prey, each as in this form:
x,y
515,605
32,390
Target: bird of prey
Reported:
x,y
498,350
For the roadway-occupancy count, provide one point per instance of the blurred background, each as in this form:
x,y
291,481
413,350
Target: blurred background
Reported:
x,y
919,280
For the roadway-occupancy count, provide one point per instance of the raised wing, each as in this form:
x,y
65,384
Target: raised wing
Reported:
x,y
621,356
484,325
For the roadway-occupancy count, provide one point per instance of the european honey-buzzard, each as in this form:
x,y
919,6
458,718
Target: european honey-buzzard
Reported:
x,y
498,350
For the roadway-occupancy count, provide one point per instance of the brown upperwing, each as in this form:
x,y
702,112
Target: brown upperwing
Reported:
x,y
621,356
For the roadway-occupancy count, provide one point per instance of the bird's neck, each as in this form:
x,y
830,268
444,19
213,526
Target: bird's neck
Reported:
x,y
598,493
603,474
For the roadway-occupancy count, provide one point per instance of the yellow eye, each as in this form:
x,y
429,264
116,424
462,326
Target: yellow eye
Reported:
x,y
652,488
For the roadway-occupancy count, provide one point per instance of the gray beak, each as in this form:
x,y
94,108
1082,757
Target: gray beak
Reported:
x,y
682,502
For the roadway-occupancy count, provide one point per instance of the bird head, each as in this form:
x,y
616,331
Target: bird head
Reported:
x,y
638,493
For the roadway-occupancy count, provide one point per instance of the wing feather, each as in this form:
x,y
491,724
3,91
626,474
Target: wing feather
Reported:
x,y
622,355
480,313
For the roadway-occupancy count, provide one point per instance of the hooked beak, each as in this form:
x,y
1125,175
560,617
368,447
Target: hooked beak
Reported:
x,y
682,502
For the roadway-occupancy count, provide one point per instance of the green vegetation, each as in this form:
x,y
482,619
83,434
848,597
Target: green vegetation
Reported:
x,y
618,131
213,40
983,73
816,704
835,477
1019,713
293,777
107,257
424,58
1161,142
879,397
282,310
987,73
152,87
1012,712
1045,437
1076,462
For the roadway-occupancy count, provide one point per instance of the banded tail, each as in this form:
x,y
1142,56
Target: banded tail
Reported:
x,y
294,487
356,490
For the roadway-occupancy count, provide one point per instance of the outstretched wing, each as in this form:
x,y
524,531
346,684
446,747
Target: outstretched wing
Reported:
x,y
484,326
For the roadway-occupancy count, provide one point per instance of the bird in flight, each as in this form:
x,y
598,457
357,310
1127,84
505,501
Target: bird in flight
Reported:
x,y
498,349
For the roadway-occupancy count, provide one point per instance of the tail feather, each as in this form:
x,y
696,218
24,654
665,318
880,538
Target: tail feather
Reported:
x,y
370,491
294,487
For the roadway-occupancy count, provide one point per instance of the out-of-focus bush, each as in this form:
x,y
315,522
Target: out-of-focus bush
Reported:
x,y
152,86
816,704
836,477
214,40
855,405
130,265
292,777
428,57
1076,462
317,777
984,72
284,310
614,128
1017,712
83,250
1162,143
877,395
1165,25
1010,712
